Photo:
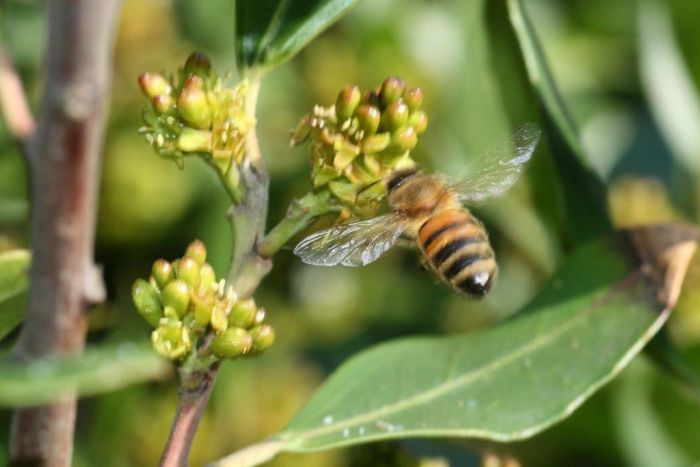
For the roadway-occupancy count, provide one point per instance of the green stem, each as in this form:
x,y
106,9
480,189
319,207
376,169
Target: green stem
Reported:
x,y
301,213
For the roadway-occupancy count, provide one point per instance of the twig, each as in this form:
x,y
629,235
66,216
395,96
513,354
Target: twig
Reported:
x,y
65,176
14,104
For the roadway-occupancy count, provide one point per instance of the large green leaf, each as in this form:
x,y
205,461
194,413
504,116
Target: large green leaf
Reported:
x,y
269,32
511,381
584,193
97,370
14,267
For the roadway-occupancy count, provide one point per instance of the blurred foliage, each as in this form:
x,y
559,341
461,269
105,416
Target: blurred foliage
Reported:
x,y
464,56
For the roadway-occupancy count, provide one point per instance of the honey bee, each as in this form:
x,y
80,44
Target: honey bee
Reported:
x,y
428,210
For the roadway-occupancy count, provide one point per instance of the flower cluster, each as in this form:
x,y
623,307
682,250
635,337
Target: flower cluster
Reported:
x,y
361,139
195,112
183,301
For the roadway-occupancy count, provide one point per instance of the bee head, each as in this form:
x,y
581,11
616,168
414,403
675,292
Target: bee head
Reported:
x,y
398,177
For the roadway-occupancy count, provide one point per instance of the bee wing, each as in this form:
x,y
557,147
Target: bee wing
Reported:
x,y
355,244
496,170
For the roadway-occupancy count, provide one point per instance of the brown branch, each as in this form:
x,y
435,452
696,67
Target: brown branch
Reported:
x,y
14,104
64,179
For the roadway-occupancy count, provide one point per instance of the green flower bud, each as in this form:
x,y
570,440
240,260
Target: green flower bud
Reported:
x,y
344,191
202,309
154,84
347,101
172,340
404,139
197,251
374,192
162,103
193,106
324,175
207,277
368,117
376,143
395,116
345,155
198,63
219,320
243,314
188,271
391,90
358,173
191,140
146,301
177,295
232,343
419,121
263,337
301,132
162,272
413,98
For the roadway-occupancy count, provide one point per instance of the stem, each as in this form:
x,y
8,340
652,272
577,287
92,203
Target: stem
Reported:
x,y
300,215
64,177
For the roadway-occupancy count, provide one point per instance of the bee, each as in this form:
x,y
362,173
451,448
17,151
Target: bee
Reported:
x,y
428,210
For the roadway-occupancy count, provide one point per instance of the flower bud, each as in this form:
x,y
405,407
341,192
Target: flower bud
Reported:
x,y
162,103
243,314
395,116
146,301
391,90
193,106
374,192
154,84
172,340
188,271
177,295
404,139
301,132
419,121
263,337
345,155
347,101
198,63
191,140
219,320
197,251
376,143
162,272
202,306
413,98
344,191
232,343
207,277
368,117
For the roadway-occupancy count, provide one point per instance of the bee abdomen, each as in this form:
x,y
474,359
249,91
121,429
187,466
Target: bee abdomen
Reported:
x,y
457,248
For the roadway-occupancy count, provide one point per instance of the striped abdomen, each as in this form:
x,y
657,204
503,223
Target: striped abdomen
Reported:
x,y
457,248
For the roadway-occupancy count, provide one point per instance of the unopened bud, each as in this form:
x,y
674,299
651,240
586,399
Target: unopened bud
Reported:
x,y
301,132
232,343
419,121
395,116
162,272
376,143
154,84
177,295
171,340
207,277
404,139
344,191
219,320
188,271
413,98
263,337
191,140
391,90
197,251
202,309
368,116
162,103
243,314
146,301
193,106
347,101
198,63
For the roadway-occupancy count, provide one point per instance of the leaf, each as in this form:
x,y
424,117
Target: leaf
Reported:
x,y
14,267
511,381
584,200
270,32
95,371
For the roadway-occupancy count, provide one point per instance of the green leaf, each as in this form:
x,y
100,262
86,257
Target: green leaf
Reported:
x,y
97,370
270,32
14,267
511,381
584,193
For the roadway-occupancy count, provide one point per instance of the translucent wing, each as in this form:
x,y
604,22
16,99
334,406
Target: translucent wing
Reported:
x,y
355,244
497,169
